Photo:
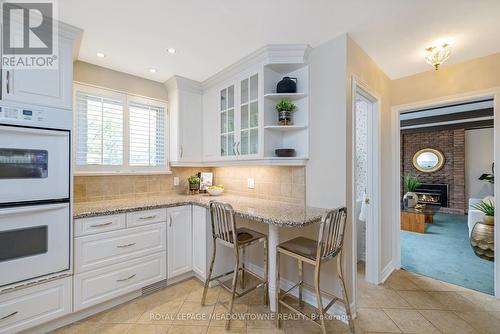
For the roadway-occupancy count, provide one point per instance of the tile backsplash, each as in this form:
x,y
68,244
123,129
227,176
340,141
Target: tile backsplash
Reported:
x,y
286,184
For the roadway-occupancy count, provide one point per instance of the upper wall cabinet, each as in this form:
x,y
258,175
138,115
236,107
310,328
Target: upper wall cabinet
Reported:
x,y
186,117
44,87
240,121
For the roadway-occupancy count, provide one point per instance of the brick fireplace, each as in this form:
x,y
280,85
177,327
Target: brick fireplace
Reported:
x,y
451,176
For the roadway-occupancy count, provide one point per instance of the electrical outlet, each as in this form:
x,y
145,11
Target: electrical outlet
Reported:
x,y
176,180
251,183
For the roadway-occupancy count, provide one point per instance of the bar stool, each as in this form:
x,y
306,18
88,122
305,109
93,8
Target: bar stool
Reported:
x,y
224,232
329,247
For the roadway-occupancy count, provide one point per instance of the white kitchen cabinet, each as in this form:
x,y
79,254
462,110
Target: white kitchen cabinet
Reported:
x,y
179,241
200,238
104,249
44,87
186,118
32,306
97,286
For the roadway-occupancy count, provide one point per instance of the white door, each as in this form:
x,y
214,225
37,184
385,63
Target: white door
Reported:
x,y
366,184
34,164
34,241
179,241
43,87
200,227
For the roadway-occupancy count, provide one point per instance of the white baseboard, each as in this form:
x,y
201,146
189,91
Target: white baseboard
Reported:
x,y
387,271
309,297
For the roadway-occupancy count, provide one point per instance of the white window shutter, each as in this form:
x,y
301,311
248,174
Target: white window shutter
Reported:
x,y
146,135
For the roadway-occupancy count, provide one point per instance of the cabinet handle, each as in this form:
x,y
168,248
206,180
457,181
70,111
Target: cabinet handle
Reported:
x,y
8,82
170,220
125,246
238,148
147,217
182,151
9,315
234,148
126,279
102,225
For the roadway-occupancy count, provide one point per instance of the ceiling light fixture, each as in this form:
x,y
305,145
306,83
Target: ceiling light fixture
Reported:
x,y
101,55
171,50
437,55
152,70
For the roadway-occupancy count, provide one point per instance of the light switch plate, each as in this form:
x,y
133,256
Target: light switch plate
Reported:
x,y
176,180
251,183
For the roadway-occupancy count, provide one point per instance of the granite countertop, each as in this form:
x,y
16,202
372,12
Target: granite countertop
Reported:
x,y
270,212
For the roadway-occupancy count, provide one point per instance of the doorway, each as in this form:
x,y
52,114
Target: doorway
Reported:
x,y
443,218
366,182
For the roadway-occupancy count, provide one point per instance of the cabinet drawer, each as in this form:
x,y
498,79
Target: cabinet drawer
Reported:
x,y
35,305
138,218
86,226
104,249
100,285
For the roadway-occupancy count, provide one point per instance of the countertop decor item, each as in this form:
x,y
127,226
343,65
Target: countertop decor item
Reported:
x,y
411,183
482,240
287,85
285,108
206,180
428,160
194,183
215,190
285,152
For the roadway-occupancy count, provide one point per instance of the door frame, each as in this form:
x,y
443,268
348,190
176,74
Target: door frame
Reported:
x,y
373,234
492,93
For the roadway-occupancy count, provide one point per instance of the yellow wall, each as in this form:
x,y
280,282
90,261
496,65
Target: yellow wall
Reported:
x,y
107,78
367,71
477,74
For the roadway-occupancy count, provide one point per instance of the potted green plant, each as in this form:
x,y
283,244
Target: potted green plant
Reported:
x,y
482,237
488,208
411,183
285,109
194,182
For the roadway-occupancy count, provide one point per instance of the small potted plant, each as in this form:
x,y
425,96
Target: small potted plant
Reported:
x,y
488,208
411,183
285,109
194,183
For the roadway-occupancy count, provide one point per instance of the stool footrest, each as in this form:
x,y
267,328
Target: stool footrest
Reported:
x,y
310,287
240,294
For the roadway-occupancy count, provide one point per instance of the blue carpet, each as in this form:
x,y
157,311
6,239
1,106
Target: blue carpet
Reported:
x,y
443,252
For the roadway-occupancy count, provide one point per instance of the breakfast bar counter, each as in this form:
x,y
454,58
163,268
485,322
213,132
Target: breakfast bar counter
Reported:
x,y
265,211
275,214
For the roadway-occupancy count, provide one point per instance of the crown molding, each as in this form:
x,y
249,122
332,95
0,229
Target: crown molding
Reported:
x,y
184,84
268,54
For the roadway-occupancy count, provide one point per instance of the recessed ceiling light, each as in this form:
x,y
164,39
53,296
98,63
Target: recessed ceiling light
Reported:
x,y
152,70
101,55
171,50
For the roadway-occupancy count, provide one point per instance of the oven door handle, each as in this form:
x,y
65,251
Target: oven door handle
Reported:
x,y
37,132
38,208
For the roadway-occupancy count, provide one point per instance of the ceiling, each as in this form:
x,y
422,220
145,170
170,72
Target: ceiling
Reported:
x,y
212,34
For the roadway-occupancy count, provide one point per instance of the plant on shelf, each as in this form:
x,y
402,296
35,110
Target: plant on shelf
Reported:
x,y
194,182
285,109
411,183
487,207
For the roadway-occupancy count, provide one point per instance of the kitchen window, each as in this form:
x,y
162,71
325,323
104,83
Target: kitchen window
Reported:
x,y
118,132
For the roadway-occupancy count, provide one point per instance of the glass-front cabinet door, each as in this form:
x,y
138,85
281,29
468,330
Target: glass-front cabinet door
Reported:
x,y
248,143
227,123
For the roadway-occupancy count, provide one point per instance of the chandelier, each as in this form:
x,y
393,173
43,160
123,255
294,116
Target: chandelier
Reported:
x,y
436,55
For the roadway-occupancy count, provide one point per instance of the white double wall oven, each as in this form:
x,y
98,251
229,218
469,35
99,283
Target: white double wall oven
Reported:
x,y
35,192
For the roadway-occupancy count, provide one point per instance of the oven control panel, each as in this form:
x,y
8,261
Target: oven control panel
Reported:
x,y
20,114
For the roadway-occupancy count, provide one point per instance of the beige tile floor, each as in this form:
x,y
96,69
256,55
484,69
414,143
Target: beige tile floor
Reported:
x,y
406,303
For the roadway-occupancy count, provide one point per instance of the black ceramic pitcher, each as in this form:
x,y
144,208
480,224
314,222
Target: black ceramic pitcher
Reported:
x,y
287,85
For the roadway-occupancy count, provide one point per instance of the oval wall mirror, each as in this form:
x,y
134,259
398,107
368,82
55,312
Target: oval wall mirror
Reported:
x,y
428,160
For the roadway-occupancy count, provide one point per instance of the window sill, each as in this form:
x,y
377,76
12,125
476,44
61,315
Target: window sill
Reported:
x,y
110,173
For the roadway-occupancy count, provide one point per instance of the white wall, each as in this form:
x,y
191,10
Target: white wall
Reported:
x,y
478,159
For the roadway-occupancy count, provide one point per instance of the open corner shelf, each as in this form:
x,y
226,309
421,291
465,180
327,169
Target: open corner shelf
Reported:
x,y
285,127
290,96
